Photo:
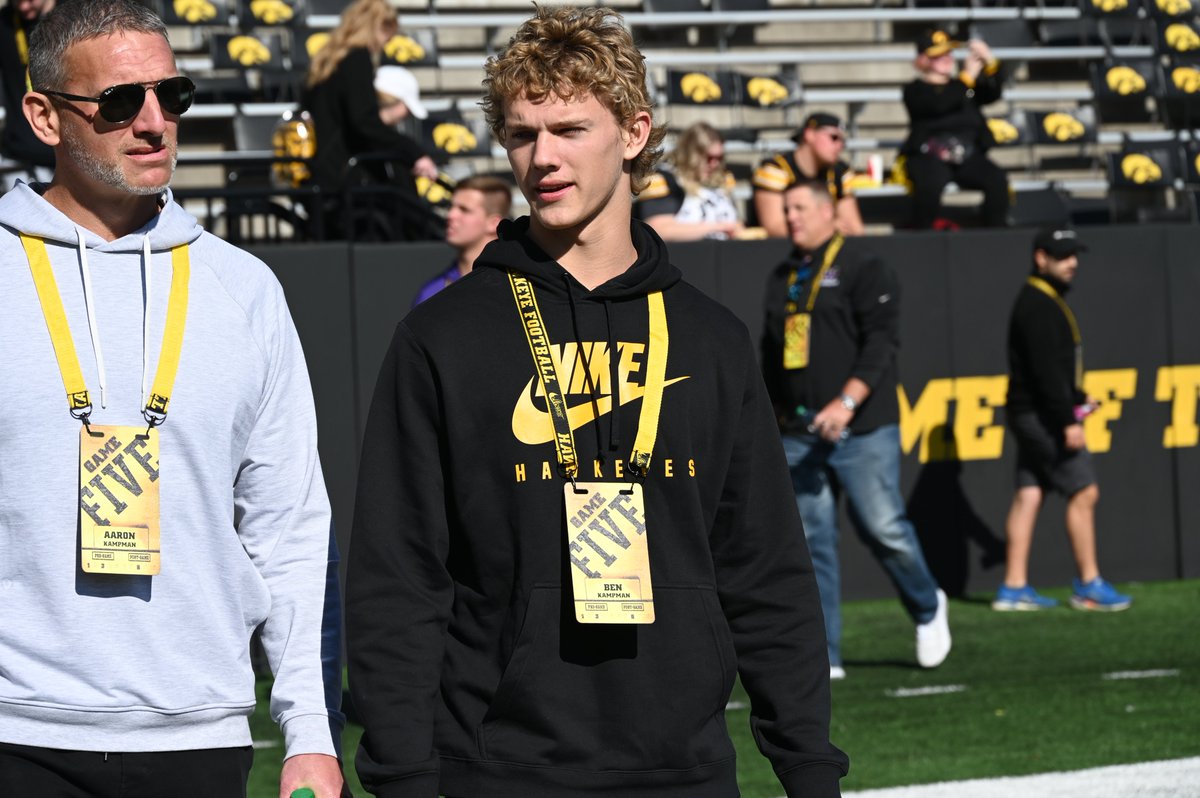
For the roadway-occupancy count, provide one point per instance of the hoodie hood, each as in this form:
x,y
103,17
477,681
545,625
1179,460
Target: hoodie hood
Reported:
x,y
24,210
514,250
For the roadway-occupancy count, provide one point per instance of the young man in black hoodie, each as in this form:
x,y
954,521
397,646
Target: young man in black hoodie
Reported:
x,y
1046,407
574,523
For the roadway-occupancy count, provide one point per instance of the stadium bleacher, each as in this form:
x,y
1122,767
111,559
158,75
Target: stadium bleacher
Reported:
x,y
1126,71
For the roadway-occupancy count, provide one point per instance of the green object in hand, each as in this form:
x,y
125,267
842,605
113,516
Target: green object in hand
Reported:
x,y
303,792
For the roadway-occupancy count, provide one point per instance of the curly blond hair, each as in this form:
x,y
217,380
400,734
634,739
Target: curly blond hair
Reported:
x,y
359,26
567,52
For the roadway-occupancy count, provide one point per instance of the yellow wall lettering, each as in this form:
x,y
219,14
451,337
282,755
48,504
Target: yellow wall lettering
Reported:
x,y
1110,386
977,436
1179,385
926,421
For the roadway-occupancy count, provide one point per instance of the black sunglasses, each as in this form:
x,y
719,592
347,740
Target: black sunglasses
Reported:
x,y
121,103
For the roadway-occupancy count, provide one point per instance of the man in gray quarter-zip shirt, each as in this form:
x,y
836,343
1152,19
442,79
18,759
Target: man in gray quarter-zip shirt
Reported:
x,y
161,497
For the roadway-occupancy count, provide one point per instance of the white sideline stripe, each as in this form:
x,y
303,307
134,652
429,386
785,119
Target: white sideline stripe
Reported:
x,y
913,692
265,743
735,705
1166,779
1153,674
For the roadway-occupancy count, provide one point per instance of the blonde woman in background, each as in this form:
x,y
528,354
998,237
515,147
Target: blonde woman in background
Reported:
x,y
340,95
691,196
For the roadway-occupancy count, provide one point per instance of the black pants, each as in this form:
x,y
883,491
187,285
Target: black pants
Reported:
x,y
930,175
51,773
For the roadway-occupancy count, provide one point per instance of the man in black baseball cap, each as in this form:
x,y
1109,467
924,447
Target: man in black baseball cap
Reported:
x,y
819,144
1058,244
1046,407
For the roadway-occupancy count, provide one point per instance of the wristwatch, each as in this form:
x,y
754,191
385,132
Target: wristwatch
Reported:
x,y
849,402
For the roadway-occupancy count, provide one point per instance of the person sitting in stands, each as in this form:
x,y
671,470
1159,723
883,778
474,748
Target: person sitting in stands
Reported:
x,y
691,196
949,137
819,144
340,96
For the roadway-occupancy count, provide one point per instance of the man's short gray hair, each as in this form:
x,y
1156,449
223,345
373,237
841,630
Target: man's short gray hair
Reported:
x,y
74,21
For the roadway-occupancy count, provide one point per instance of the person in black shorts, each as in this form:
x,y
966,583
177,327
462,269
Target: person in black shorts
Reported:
x,y
1046,408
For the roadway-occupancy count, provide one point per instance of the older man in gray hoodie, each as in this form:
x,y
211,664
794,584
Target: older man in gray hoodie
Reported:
x,y
160,492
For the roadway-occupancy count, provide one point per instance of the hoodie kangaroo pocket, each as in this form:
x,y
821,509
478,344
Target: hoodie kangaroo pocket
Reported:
x,y
632,697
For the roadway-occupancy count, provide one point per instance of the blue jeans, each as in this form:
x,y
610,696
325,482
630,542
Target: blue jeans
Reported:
x,y
867,468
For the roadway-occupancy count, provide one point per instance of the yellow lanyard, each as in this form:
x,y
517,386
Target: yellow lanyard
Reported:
x,y
22,40
1048,290
656,375
831,252
78,400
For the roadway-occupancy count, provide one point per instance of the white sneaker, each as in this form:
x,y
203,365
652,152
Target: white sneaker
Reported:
x,y
933,638
836,672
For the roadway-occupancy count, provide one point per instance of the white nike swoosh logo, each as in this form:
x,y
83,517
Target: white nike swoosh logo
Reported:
x,y
532,426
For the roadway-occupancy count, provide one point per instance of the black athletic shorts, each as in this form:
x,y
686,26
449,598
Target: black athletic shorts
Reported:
x,y
1043,459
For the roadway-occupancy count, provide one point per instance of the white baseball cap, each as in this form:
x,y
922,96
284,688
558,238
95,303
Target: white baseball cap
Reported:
x,y
398,82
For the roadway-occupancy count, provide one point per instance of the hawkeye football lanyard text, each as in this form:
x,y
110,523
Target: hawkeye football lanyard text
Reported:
x,y
606,522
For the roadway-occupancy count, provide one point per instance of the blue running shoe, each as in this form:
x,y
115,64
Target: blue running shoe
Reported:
x,y
1021,599
1098,595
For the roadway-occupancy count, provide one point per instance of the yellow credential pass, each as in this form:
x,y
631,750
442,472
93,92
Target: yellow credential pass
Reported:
x,y
610,561
118,500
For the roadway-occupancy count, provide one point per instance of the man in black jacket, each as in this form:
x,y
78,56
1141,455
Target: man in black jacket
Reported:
x,y
1046,408
949,138
829,356
29,159
574,527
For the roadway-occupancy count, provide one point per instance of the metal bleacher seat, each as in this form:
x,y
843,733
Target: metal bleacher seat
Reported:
x,y
1180,102
1142,179
1125,89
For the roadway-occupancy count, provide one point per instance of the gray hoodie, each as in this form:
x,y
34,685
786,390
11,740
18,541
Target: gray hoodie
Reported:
x,y
137,663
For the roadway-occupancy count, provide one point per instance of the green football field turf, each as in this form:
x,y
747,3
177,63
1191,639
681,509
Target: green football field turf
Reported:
x,y
1020,693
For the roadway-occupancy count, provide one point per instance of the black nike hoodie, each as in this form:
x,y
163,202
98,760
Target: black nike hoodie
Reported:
x,y
468,669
